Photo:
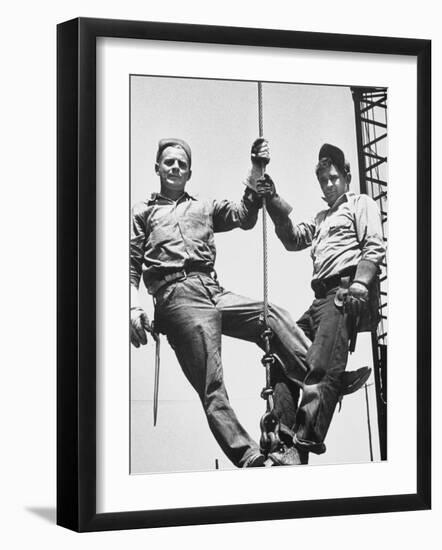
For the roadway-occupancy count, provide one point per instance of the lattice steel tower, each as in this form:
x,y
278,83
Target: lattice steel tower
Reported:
x,y
371,134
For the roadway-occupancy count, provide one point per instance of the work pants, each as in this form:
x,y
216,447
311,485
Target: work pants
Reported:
x,y
325,325
194,313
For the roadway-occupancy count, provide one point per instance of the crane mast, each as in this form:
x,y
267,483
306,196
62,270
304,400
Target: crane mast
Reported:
x,y
371,133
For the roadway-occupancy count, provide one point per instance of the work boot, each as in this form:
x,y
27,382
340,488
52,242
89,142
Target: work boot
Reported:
x,y
255,461
290,456
354,380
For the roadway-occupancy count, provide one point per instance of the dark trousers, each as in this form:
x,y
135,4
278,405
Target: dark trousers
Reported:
x,y
325,325
194,313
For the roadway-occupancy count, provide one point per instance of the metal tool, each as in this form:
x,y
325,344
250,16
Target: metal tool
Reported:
x,y
156,337
352,318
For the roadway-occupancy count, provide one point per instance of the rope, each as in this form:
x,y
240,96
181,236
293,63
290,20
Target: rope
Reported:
x,y
261,131
264,220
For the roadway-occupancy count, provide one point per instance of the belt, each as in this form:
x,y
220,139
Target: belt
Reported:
x,y
169,278
321,287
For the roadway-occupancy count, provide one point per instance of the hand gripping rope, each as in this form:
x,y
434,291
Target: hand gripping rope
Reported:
x,y
269,423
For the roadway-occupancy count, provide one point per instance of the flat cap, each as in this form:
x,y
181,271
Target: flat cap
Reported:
x,y
335,154
174,142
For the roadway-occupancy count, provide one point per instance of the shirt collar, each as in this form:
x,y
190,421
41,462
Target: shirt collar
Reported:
x,y
343,198
158,197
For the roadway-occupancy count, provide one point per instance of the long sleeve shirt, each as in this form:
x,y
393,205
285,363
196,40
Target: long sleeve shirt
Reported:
x,y
340,236
169,236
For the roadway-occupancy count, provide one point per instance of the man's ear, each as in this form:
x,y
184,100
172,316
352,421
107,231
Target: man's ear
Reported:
x,y
348,178
157,167
190,175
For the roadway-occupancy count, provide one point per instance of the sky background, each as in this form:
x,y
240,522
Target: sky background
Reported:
x,y
219,119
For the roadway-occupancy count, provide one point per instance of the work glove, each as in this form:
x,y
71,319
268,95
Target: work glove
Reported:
x,y
265,188
357,296
358,292
260,154
139,326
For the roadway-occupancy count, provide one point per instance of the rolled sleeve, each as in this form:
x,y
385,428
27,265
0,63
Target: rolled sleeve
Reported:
x,y
228,215
137,241
369,230
294,236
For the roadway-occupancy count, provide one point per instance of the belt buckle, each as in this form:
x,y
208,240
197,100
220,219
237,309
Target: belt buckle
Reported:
x,y
179,276
176,276
322,288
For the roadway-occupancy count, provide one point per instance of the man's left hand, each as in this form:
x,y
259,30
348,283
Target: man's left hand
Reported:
x,y
265,188
356,297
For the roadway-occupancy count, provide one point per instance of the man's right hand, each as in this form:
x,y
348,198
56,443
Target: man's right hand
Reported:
x,y
139,326
260,154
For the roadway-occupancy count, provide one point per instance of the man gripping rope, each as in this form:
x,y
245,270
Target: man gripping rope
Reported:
x,y
347,249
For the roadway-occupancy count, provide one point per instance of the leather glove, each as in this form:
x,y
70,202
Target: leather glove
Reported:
x,y
356,297
265,188
139,326
358,293
366,271
260,154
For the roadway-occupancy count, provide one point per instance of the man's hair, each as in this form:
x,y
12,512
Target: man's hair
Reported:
x,y
174,142
326,162
332,155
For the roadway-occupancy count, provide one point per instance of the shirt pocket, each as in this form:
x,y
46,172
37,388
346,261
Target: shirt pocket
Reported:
x,y
161,230
340,226
198,224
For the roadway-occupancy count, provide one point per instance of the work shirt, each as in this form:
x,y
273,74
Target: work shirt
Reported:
x,y
169,236
340,236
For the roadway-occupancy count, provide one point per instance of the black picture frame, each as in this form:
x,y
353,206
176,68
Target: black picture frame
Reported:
x,y
76,273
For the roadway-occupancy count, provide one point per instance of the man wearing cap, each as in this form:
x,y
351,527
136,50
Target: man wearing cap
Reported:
x,y
173,251
347,249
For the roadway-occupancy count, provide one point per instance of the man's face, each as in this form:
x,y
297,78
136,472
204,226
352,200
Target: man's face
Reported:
x,y
333,183
173,169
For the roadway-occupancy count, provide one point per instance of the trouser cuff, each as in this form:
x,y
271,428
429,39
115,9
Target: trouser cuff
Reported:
x,y
253,460
309,446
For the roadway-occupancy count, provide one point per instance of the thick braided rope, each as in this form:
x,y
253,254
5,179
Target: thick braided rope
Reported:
x,y
264,220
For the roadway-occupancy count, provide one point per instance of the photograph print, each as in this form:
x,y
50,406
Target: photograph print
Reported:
x,y
258,274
